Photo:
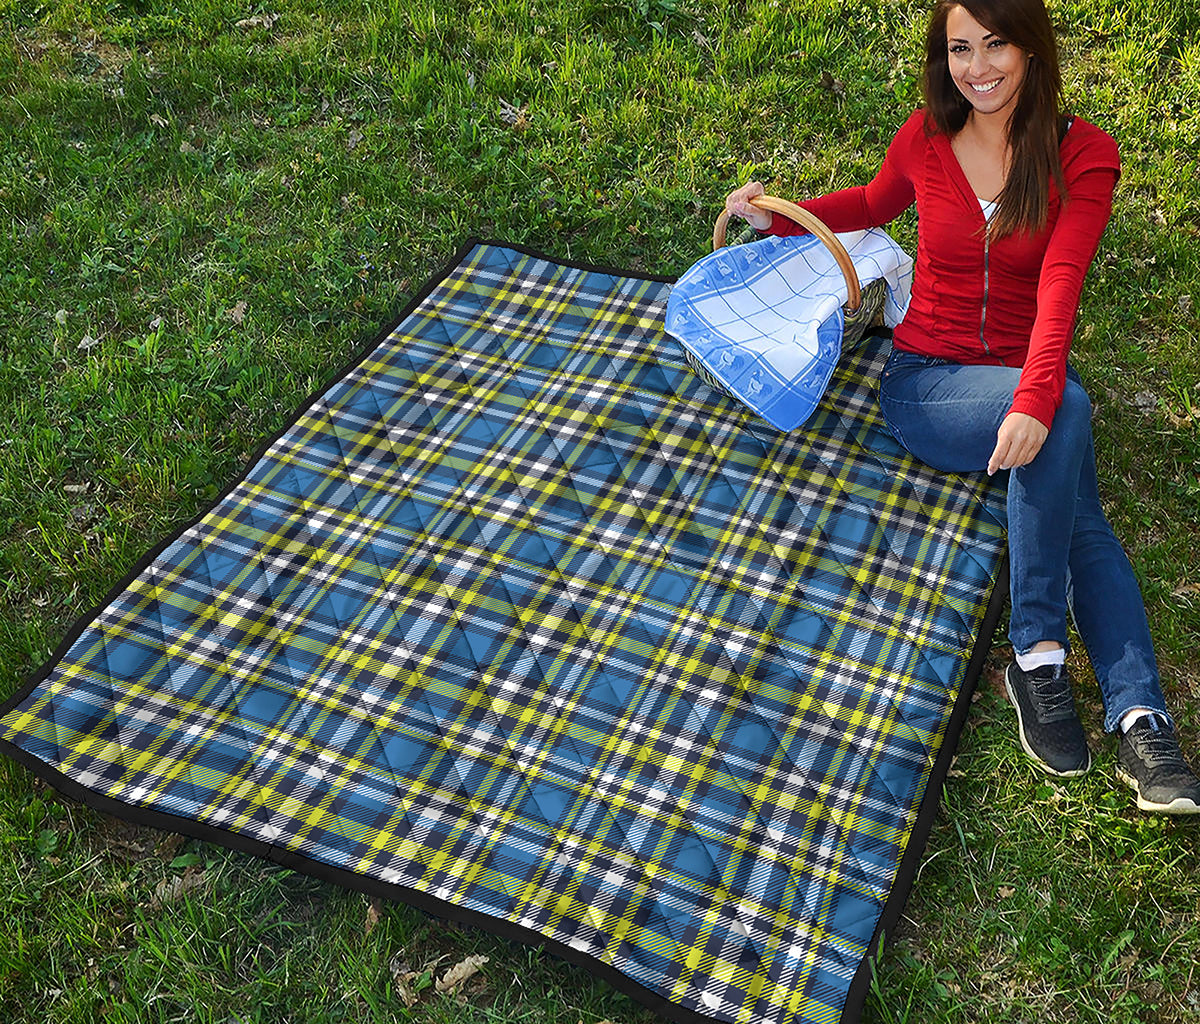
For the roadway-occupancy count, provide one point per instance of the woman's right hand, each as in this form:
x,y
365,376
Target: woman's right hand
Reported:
x,y
737,204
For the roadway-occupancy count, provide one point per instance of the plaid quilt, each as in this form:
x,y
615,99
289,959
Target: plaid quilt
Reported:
x,y
521,621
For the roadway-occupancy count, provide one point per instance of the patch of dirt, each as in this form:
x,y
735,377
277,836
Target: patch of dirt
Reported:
x,y
122,840
85,55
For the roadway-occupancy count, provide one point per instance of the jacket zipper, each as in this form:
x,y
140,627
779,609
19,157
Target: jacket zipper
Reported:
x,y
983,309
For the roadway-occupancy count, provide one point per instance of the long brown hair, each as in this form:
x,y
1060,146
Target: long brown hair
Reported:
x,y
1035,126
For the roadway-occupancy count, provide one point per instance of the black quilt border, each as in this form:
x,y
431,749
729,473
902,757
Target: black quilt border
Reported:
x,y
906,872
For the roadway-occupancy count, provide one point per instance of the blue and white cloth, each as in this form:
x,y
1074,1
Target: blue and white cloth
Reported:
x,y
766,319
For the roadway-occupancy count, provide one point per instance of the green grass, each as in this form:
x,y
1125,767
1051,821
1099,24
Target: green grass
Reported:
x,y
227,213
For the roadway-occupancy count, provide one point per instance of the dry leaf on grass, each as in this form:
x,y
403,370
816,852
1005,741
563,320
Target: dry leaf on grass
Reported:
x,y
406,992
1145,401
411,983
460,972
831,84
171,889
257,21
513,115
403,976
374,913
1182,418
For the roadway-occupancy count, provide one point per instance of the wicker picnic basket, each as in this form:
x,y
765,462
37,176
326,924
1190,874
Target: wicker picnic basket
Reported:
x,y
863,307
765,324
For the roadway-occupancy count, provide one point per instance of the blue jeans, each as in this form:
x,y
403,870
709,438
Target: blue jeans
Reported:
x,y
1062,551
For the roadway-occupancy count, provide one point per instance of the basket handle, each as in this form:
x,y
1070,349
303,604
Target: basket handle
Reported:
x,y
806,220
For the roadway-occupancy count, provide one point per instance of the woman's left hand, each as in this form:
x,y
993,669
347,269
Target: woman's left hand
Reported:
x,y
1018,441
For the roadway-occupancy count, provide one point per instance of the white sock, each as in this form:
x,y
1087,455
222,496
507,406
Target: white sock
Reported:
x,y
1130,717
1036,659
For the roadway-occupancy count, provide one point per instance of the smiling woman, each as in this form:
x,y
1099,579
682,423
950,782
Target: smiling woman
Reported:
x,y
997,91
1012,198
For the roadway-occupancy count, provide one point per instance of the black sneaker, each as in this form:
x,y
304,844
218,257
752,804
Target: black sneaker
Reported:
x,y
1149,760
1051,732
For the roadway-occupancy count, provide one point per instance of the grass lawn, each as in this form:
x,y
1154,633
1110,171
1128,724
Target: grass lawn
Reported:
x,y
206,206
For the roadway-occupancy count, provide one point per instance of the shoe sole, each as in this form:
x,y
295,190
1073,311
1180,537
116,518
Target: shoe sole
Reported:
x,y
1180,805
1072,773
